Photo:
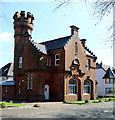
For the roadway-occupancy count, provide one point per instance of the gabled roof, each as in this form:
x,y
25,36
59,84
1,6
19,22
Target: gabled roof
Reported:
x,y
89,52
108,74
102,66
40,47
5,69
56,43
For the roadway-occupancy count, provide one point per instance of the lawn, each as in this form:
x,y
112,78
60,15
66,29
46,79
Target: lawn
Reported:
x,y
76,102
106,99
12,104
90,101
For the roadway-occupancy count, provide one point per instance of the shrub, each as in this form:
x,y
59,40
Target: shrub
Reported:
x,y
36,105
3,105
86,101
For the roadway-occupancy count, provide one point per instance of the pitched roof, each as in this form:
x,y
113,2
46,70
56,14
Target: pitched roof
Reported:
x,y
89,52
56,43
108,74
40,47
5,69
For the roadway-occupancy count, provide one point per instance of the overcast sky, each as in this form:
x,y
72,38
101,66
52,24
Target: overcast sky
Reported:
x,y
50,24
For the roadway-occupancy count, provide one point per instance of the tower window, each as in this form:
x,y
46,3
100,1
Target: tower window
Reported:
x,y
6,89
31,82
20,62
28,81
47,62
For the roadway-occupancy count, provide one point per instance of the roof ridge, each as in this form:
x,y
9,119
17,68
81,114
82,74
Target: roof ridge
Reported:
x,y
55,39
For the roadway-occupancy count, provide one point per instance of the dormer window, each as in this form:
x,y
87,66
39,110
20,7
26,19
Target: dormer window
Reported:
x,y
57,59
20,62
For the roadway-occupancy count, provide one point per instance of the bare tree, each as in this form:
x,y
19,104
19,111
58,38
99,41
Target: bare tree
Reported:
x,y
100,7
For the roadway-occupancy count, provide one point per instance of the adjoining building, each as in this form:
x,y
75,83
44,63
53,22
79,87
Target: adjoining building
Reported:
x,y
7,83
105,78
62,69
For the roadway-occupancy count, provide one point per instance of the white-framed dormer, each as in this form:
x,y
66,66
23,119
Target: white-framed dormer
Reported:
x,y
57,59
20,62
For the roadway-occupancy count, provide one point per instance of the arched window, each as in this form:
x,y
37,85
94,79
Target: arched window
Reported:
x,y
73,86
87,87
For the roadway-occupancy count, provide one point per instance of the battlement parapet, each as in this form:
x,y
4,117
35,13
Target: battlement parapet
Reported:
x,y
18,17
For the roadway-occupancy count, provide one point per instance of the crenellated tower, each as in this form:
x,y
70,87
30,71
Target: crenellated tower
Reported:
x,y
23,26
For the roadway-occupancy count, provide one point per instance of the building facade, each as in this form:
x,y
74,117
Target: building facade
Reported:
x,y
62,69
7,83
105,79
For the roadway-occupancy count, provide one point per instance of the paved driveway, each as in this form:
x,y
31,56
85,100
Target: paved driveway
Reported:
x,y
61,110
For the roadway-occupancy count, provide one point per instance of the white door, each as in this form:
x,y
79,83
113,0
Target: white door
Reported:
x,y
46,92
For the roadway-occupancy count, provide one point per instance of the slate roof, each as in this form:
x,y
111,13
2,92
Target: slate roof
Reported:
x,y
89,52
40,47
7,83
56,43
103,66
5,69
108,74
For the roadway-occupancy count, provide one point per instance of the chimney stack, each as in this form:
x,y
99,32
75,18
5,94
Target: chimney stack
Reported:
x,y
74,29
83,42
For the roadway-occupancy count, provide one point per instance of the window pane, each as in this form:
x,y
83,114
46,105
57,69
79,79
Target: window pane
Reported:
x,y
86,86
111,80
72,86
107,80
57,56
57,62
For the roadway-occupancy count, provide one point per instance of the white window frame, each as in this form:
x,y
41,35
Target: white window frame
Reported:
x,y
6,89
86,86
20,62
57,59
73,87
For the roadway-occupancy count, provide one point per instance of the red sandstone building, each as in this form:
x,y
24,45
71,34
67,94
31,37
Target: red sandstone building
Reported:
x,y
62,69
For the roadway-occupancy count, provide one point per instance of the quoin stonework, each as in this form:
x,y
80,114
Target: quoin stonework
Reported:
x,y
62,69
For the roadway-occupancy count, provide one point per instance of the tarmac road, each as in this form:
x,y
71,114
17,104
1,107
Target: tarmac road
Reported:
x,y
61,110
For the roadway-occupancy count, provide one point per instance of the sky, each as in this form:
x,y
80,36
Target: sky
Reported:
x,y
50,24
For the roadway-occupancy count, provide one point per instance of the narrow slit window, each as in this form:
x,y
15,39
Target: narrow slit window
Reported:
x,y
20,62
31,82
28,82
76,48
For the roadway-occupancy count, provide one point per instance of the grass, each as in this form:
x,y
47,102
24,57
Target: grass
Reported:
x,y
106,99
13,104
75,102
93,101
90,101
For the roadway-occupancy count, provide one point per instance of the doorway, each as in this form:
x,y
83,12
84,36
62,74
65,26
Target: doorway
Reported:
x,y
46,92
